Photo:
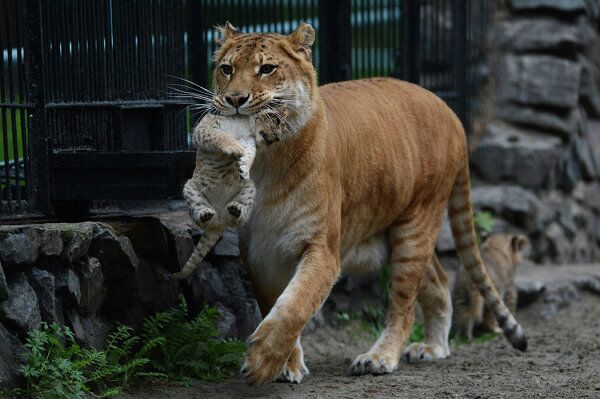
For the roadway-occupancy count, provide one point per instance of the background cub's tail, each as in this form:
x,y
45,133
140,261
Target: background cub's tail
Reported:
x,y
207,241
460,212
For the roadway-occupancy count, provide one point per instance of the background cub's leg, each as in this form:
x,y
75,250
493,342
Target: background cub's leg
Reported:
x,y
468,307
435,301
411,245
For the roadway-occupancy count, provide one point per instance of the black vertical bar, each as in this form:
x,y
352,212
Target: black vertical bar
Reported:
x,y
336,41
197,46
410,42
460,59
37,118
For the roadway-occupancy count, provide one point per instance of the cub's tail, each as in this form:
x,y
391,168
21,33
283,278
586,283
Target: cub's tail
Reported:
x,y
207,241
460,212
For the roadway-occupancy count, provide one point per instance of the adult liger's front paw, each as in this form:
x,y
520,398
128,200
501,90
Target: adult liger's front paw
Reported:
x,y
374,363
267,354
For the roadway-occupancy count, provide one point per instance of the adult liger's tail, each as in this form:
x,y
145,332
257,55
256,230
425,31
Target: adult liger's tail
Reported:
x,y
207,241
460,212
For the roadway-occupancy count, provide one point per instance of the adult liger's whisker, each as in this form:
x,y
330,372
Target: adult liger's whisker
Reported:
x,y
196,85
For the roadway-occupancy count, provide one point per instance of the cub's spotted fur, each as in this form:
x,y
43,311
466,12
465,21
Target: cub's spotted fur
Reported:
x,y
220,193
501,254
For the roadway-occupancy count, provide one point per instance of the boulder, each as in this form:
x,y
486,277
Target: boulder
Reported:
x,y
508,154
155,292
445,242
591,196
67,284
3,285
43,283
559,245
566,6
11,357
591,139
226,323
588,91
577,164
146,235
77,238
515,204
17,249
537,34
116,254
228,244
540,80
92,286
561,124
51,243
21,311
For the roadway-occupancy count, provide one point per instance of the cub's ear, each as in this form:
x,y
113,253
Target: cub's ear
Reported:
x,y
302,39
519,243
227,32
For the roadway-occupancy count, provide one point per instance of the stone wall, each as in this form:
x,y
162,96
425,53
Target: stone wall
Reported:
x,y
92,275
538,158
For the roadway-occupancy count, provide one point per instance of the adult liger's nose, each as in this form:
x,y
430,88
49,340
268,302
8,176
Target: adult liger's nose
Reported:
x,y
237,101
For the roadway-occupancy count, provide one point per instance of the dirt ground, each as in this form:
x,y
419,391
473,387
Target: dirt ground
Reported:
x,y
563,361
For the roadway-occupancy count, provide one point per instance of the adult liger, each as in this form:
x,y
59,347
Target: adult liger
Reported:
x,y
362,179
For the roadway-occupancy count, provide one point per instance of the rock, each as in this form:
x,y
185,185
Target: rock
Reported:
x,y
21,311
513,203
17,249
155,292
43,283
51,243
226,323
92,286
3,285
505,153
147,237
11,357
228,244
116,254
73,321
588,91
77,238
538,34
67,284
591,196
591,139
206,284
577,164
559,246
562,125
445,242
96,331
539,80
315,322
568,6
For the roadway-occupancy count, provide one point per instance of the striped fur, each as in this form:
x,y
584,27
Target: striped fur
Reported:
x,y
364,175
460,212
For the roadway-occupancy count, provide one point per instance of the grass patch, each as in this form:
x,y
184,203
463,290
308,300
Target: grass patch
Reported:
x,y
170,347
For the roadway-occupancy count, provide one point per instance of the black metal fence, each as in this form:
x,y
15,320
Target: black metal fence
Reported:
x,y
84,107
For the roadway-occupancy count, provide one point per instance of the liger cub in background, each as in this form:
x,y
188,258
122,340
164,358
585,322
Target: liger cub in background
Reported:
x,y
362,179
501,253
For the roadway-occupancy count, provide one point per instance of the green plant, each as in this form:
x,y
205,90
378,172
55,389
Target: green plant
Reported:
x,y
484,223
170,348
183,349
58,368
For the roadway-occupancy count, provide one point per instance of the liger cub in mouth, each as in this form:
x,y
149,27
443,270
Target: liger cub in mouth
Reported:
x,y
502,253
362,178
220,193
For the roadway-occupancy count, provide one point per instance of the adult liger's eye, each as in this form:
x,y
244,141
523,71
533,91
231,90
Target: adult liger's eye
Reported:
x,y
227,69
266,69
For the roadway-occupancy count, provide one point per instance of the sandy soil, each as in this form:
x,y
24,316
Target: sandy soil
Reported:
x,y
563,361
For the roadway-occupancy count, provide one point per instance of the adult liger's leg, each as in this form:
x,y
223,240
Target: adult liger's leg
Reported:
x,y
436,303
274,349
411,245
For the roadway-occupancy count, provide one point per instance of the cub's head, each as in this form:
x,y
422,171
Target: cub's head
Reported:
x,y
508,246
256,71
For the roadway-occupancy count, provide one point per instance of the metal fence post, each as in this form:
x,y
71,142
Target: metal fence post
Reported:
x,y
335,41
460,60
36,93
411,22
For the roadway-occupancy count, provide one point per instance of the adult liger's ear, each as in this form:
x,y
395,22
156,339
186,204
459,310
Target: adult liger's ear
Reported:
x,y
226,32
302,39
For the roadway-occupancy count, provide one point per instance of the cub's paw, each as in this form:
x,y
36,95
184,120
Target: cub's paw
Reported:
x,y
202,214
373,363
422,352
235,209
269,137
